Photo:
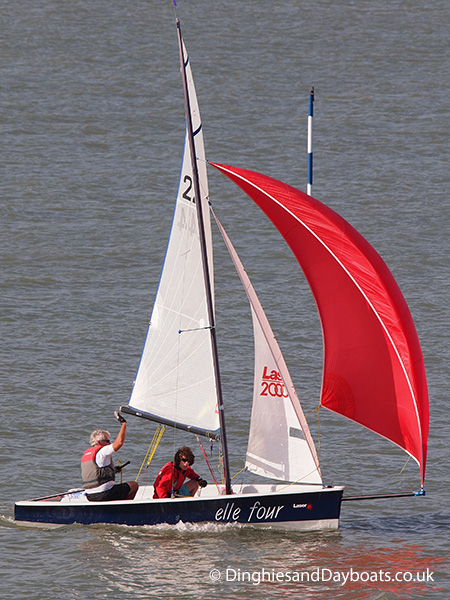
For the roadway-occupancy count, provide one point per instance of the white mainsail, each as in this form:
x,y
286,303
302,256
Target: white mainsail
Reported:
x,y
175,381
280,445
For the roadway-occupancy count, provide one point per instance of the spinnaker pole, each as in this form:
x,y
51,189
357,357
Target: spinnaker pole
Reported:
x,y
206,272
385,496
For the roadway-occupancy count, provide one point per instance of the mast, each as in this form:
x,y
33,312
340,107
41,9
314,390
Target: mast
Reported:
x,y
206,273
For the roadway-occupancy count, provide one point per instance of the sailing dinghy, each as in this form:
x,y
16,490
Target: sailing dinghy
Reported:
x,y
373,365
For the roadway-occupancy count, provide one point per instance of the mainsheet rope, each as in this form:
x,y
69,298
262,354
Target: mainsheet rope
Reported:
x,y
152,448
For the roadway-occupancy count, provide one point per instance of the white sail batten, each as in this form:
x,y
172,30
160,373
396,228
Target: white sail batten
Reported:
x,y
280,445
175,379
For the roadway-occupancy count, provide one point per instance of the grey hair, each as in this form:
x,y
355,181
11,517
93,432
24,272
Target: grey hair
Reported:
x,y
98,435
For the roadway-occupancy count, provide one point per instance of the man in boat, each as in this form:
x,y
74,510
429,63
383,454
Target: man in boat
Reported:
x,y
98,471
169,482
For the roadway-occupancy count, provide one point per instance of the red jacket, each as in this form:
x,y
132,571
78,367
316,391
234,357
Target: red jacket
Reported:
x,y
171,478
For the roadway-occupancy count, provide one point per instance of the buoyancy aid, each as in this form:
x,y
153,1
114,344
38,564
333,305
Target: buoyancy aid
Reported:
x,y
91,473
170,479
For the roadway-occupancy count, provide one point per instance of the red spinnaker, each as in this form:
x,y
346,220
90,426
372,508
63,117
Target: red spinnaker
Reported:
x,y
374,372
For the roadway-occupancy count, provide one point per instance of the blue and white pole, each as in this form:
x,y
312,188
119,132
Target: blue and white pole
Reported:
x,y
310,142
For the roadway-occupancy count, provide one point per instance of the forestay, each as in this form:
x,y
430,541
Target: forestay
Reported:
x,y
175,380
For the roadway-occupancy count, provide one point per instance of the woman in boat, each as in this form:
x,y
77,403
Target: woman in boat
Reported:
x,y
169,482
98,471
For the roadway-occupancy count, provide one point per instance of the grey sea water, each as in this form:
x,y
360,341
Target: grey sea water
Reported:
x,y
92,128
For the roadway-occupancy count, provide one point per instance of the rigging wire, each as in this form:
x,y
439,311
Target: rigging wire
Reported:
x,y
208,463
318,407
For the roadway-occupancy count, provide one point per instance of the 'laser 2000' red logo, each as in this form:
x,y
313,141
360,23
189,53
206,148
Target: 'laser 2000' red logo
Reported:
x,y
272,384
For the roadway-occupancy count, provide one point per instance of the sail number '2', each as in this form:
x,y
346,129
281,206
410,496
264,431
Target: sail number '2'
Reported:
x,y
187,192
187,219
233,513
